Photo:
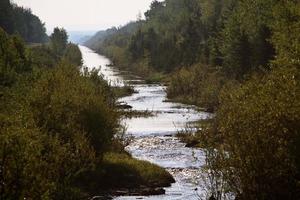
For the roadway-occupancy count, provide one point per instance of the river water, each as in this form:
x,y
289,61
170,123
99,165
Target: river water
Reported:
x,y
154,137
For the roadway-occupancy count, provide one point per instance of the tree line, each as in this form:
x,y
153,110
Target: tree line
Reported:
x,y
240,60
18,20
47,135
60,132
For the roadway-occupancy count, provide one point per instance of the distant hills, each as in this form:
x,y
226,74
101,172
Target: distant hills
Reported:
x,y
96,40
80,37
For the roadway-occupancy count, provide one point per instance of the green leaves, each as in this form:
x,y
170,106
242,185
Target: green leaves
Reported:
x,y
55,120
18,20
258,125
199,85
286,26
58,41
73,55
13,59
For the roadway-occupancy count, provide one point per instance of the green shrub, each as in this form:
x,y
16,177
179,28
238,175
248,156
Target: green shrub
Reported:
x,y
55,121
258,127
64,102
73,55
36,164
42,56
13,60
121,171
197,85
150,174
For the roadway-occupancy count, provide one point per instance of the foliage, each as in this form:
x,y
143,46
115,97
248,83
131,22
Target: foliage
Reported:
x,y
58,41
19,20
123,91
66,103
73,54
150,174
57,122
42,56
96,41
199,85
258,124
13,60
50,131
286,26
240,59
180,33
120,170
6,16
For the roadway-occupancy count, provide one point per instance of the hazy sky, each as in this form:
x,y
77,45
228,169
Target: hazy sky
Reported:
x,y
85,15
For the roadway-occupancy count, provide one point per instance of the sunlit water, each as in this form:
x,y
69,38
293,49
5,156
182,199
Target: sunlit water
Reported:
x,y
154,136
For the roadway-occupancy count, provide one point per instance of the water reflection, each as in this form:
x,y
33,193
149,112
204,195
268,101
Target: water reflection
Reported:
x,y
153,136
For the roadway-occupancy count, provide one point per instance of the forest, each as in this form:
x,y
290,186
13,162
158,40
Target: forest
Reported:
x,y
61,136
18,20
239,60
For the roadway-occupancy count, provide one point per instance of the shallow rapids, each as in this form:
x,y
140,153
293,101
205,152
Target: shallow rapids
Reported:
x,y
154,137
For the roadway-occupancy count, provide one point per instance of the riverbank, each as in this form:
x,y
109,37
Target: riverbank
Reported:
x,y
153,138
195,139
197,85
121,174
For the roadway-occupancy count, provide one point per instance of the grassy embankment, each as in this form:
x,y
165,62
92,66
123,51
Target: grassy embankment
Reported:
x,y
239,59
60,127
120,174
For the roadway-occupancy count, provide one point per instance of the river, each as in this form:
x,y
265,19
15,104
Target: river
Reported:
x,y
154,137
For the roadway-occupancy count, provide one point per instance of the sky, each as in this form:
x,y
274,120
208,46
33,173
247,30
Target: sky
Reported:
x,y
85,15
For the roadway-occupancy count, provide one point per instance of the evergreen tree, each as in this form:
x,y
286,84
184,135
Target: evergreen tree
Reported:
x,y
6,16
59,41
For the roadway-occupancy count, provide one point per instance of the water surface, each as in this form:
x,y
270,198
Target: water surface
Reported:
x,y
153,137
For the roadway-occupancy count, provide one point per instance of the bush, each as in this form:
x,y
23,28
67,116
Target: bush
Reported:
x,y
36,164
120,171
258,126
149,174
73,55
13,60
55,122
63,102
198,85
42,56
